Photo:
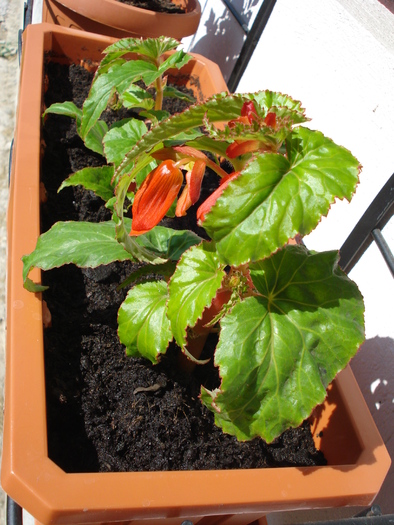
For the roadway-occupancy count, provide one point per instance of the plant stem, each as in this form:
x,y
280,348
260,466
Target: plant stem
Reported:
x,y
159,93
199,333
195,346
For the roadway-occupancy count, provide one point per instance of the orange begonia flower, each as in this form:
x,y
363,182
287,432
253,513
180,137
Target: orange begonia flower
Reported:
x,y
155,197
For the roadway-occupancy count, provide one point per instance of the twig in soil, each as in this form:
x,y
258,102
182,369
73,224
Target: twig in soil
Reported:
x,y
152,388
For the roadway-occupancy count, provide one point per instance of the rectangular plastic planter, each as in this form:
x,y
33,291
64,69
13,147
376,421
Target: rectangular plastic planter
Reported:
x,y
343,427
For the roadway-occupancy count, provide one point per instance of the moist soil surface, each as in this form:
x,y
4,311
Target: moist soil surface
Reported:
x,y
160,6
100,415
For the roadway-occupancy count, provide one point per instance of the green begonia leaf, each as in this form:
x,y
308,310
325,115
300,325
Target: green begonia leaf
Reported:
x,y
268,99
87,244
192,287
94,139
177,59
121,138
278,352
117,79
137,97
168,243
97,180
151,48
143,325
187,136
173,92
277,197
154,115
67,109
84,244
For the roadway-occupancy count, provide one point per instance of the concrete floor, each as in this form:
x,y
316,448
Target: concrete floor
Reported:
x,y
10,23
337,56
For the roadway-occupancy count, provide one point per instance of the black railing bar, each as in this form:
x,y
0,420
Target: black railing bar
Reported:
x,y
20,32
384,248
250,43
10,161
25,7
238,17
28,12
14,513
376,216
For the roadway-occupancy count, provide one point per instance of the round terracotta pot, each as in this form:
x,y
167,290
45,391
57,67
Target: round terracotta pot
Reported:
x,y
113,18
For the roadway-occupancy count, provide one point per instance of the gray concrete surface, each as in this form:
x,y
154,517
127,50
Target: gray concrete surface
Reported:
x,y
10,23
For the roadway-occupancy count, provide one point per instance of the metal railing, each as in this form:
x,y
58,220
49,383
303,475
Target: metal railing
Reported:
x,y
369,229
252,38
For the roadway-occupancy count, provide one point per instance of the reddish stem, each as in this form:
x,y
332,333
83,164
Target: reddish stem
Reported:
x,y
199,333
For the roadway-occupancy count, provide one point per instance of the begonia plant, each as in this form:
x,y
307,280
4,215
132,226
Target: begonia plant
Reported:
x,y
288,319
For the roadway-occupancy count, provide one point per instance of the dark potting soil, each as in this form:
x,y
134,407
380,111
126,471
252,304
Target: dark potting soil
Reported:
x,y
159,6
100,415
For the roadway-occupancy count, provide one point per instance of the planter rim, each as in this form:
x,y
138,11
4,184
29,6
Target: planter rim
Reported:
x,y
136,20
53,496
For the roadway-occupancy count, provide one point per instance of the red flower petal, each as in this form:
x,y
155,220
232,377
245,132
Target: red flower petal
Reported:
x,y
270,120
184,202
249,110
192,190
196,176
238,148
155,197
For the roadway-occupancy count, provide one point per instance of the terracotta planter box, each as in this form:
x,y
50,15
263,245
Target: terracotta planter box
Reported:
x,y
343,427
112,18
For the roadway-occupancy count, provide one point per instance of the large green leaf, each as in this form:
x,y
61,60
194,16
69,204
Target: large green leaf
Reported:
x,y
85,244
117,79
278,352
277,197
151,48
143,325
192,287
121,138
97,180
268,99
